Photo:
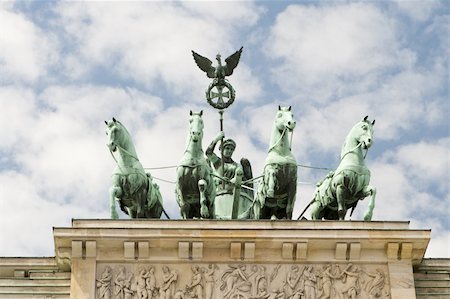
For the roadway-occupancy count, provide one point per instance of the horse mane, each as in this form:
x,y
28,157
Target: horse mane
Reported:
x,y
127,138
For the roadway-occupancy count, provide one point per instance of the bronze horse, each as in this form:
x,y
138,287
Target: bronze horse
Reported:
x,y
195,188
343,188
276,195
131,186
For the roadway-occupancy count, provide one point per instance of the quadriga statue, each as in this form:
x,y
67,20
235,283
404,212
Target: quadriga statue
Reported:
x,y
229,175
132,187
195,188
276,194
343,188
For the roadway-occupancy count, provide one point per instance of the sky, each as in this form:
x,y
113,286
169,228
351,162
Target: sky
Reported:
x,y
66,67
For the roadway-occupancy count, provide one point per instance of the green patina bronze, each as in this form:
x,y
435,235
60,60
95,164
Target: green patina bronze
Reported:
x,y
229,175
343,188
214,187
131,186
195,188
220,94
276,195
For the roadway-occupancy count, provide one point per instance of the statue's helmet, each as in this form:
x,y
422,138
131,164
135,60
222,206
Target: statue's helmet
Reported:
x,y
228,142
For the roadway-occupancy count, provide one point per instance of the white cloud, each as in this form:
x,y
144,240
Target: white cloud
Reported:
x,y
424,161
418,10
151,43
19,110
332,49
25,50
29,217
61,144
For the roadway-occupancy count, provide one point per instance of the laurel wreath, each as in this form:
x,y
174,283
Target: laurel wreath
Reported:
x,y
225,104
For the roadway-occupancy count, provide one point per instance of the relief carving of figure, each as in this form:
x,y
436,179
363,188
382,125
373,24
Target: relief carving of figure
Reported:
x,y
120,282
261,290
127,289
167,289
141,284
196,286
326,281
375,286
258,274
292,280
235,280
104,284
210,280
348,285
150,284
309,282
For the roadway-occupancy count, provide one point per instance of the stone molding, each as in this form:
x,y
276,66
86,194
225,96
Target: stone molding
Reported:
x,y
372,248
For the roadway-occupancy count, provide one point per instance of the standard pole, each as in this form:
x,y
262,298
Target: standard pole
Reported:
x,y
221,148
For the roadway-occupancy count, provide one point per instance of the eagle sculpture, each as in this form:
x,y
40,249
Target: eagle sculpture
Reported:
x,y
220,71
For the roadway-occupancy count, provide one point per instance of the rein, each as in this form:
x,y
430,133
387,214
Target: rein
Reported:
x,y
353,149
281,137
127,152
124,150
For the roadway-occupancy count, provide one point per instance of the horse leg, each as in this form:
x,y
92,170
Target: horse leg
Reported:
x,y
269,179
114,194
341,195
292,192
316,209
372,192
184,207
204,210
132,212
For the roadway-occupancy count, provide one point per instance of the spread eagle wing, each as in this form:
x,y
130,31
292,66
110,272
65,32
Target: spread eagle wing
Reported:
x,y
204,64
232,62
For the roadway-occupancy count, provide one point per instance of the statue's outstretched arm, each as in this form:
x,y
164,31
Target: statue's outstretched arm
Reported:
x,y
212,157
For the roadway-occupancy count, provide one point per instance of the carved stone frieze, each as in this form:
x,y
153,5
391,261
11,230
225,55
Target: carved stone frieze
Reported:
x,y
241,281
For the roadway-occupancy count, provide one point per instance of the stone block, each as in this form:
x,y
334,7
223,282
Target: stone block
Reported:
x,y
77,249
143,250
355,251
302,251
197,250
249,250
183,250
392,251
129,250
287,251
19,273
406,251
341,251
91,249
235,250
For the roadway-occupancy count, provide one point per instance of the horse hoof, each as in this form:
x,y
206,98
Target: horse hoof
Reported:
x,y
204,212
114,215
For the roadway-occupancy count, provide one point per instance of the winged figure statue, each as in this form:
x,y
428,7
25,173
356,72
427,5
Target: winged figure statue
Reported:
x,y
220,71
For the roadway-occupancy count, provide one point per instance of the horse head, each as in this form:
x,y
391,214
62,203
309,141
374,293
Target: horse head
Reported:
x,y
112,131
285,119
363,132
118,136
196,126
